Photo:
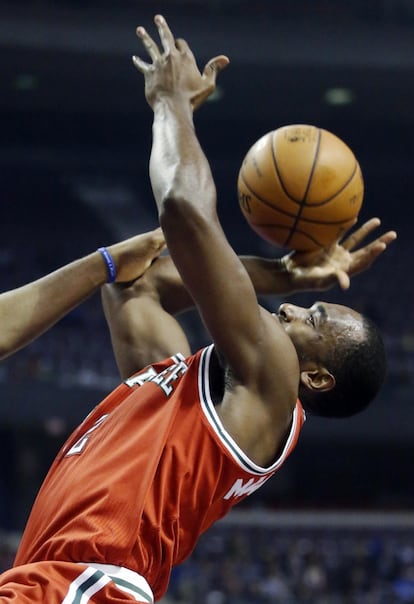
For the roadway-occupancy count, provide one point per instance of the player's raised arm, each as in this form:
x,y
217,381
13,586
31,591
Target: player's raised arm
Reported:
x,y
185,193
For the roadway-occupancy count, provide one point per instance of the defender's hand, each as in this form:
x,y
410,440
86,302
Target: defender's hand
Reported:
x,y
322,269
135,255
173,70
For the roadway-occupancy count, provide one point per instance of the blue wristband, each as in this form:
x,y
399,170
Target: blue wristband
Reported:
x,y
110,264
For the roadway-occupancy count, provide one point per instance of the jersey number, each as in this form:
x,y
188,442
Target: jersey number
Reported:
x,y
80,444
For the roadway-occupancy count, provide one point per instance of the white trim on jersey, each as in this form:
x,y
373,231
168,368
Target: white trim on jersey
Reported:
x,y
85,586
96,576
211,414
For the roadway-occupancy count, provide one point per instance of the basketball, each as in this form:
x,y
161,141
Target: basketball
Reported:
x,y
300,187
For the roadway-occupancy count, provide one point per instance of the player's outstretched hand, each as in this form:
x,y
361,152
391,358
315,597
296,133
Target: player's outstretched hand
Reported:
x,y
135,255
322,269
173,68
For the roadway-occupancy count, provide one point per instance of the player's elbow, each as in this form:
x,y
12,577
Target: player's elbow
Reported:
x,y
179,211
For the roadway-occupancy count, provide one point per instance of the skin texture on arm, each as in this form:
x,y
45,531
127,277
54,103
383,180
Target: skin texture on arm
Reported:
x,y
30,310
140,317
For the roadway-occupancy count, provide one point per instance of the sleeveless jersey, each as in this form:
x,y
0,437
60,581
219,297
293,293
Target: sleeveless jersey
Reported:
x,y
147,472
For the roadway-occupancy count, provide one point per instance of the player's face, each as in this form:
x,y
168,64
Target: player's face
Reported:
x,y
315,330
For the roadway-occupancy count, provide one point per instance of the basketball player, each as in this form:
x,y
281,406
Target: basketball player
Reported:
x,y
175,446
30,310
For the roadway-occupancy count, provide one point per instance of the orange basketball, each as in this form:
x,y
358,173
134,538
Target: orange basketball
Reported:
x,y
300,187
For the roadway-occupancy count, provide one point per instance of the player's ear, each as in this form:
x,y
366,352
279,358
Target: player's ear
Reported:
x,y
318,379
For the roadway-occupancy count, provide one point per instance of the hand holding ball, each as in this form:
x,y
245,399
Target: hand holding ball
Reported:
x,y
300,187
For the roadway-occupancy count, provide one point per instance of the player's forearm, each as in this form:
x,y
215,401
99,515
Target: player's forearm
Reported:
x,y
179,171
269,277
30,310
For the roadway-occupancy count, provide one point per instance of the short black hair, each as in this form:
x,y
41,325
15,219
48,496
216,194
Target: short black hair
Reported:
x,y
359,367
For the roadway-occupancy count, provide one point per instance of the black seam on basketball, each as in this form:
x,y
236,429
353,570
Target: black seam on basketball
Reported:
x,y
303,201
278,210
309,221
283,228
322,203
264,201
276,167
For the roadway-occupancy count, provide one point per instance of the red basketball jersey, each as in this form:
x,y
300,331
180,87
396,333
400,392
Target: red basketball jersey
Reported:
x,y
148,471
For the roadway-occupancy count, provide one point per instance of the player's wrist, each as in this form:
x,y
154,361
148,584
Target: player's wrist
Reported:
x,y
283,275
109,262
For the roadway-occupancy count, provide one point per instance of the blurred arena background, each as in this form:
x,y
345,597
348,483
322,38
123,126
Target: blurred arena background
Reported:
x,y
74,145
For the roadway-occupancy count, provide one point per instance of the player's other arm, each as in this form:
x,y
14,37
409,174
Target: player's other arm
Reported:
x,y
28,311
140,317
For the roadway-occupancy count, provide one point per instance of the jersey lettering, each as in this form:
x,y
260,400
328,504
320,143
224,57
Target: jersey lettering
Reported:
x,y
164,379
239,489
171,374
140,379
80,444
